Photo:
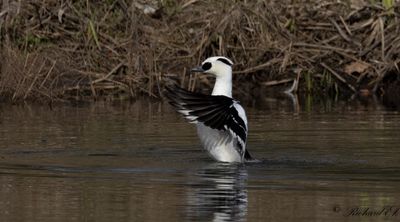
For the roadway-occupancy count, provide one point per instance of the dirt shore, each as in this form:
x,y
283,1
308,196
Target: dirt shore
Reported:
x,y
60,50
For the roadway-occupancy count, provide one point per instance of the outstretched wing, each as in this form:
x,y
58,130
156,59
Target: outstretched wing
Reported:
x,y
217,112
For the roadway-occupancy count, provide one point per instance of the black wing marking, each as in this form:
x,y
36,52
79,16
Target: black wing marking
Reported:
x,y
217,112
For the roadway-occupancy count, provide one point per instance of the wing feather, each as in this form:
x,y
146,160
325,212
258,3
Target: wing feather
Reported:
x,y
217,112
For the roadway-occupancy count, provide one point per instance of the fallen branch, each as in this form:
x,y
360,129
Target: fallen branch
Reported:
x,y
108,74
259,67
277,82
340,78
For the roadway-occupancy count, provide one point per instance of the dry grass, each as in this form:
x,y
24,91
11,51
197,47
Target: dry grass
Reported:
x,y
72,49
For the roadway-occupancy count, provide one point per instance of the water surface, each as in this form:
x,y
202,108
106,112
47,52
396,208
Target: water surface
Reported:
x,y
141,161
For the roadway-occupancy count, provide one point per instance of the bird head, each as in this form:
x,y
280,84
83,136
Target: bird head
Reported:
x,y
218,66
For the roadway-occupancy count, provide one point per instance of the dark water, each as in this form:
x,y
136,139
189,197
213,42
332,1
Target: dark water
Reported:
x,y
140,162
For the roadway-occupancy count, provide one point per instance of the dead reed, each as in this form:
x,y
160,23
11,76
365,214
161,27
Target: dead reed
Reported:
x,y
75,49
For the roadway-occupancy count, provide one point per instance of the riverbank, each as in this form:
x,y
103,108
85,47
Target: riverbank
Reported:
x,y
75,50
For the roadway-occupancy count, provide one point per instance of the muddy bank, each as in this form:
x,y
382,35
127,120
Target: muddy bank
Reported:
x,y
53,50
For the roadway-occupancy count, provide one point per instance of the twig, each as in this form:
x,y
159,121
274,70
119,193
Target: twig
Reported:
x,y
188,3
338,77
295,85
3,13
92,87
259,67
381,76
343,34
382,37
108,74
302,44
48,74
277,82
34,80
345,25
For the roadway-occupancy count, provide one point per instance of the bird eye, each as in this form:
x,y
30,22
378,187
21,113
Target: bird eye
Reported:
x,y
206,66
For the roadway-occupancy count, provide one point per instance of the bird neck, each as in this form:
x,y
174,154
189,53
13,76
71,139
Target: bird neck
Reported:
x,y
223,86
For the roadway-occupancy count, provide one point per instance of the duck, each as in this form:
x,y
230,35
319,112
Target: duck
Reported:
x,y
220,120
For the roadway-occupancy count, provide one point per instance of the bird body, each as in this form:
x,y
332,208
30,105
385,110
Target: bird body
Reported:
x,y
221,121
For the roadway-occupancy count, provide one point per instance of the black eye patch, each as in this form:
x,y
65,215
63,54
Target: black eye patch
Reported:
x,y
225,61
206,66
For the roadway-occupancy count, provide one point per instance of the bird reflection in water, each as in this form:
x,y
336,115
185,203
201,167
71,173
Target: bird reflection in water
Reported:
x,y
218,194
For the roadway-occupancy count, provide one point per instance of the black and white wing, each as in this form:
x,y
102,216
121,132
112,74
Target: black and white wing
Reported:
x,y
217,112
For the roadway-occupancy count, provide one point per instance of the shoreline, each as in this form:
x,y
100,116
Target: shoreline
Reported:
x,y
53,52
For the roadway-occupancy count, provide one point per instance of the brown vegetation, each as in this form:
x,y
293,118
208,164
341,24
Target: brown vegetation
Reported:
x,y
71,49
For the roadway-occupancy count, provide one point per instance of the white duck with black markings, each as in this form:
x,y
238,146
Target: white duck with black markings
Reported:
x,y
221,121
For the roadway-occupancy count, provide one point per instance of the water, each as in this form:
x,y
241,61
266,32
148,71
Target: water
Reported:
x,y
141,162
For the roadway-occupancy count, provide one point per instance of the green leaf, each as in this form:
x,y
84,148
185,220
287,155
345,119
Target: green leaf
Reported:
x,y
94,33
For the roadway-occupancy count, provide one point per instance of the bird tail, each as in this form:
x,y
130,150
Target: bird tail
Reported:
x,y
247,156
